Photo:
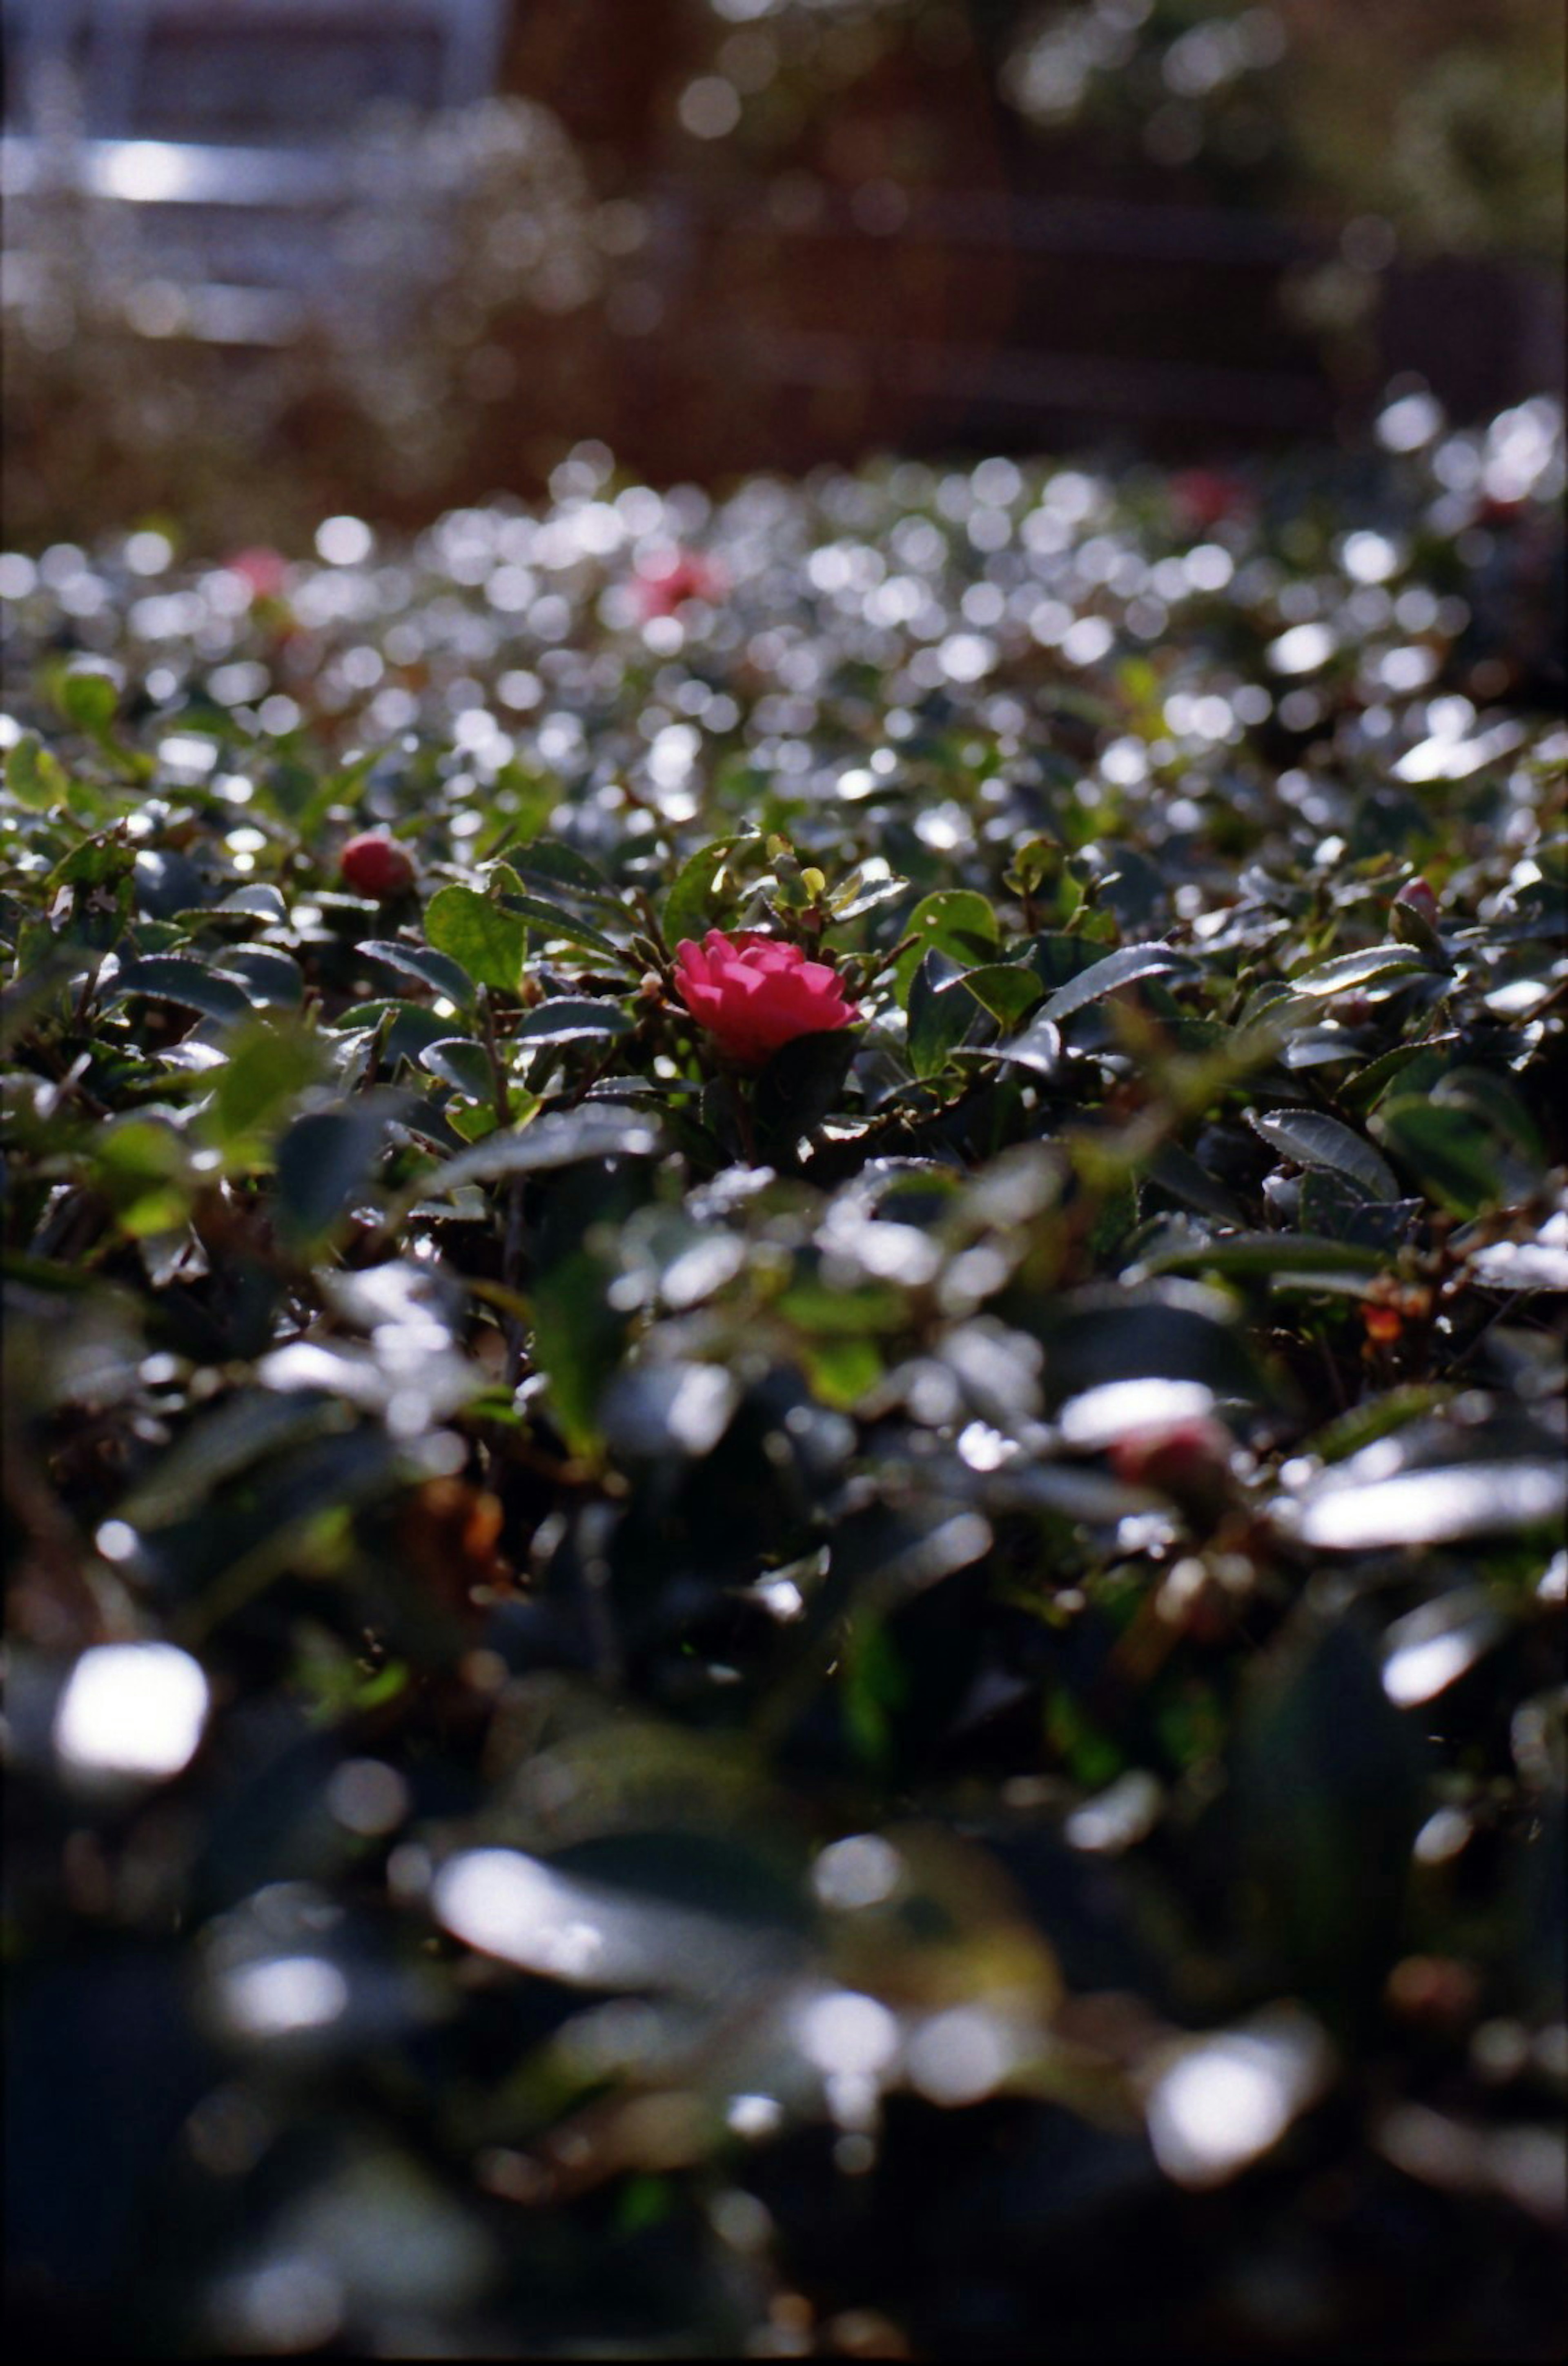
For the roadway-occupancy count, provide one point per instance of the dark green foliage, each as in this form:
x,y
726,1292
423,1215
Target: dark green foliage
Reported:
x,y
929,1677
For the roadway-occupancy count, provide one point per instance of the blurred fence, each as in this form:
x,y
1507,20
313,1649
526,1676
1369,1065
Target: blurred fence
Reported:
x,y
275,220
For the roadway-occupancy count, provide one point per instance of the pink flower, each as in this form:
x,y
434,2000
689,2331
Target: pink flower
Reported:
x,y
667,580
753,993
1205,497
266,570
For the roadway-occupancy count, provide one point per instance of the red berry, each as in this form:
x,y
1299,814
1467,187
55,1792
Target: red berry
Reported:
x,y
374,865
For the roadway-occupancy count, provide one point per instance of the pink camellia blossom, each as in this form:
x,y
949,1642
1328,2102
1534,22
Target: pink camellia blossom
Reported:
x,y
754,993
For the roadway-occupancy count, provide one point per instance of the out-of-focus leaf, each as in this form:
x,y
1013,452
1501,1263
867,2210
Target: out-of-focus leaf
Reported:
x,y
34,775
662,1408
268,1061
1329,1798
220,1444
556,1923
1266,1254
1099,1336
324,1160
1541,1264
578,1338
87,697
1187,1179
1430,1648
1443,1148
1348,1512
557,1139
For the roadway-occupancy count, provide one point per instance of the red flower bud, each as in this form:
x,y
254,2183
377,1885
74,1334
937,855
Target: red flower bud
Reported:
x,y
374,865
754,993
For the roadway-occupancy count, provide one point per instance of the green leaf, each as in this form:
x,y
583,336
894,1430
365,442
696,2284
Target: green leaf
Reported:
x,y
1266,1254
940,1013
1311,1139
1187,1179
578,1339
558,870
1056,957
35,776
1128,967
1454,1161
433,969
459,1061
324,1161
174,977
596,1130
490,945
1348,1511
219,1446
855,896
701,898
87,696
1365,1087
955,921
412,1026
563,1020
522,799
841,1372
1497,1104
272,978
1008,990
551,920
261,901
1345,974
269,1062
1038,1047
1328,1788
801,1084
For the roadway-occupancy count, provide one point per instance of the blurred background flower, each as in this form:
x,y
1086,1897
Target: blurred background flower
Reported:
x,y
273,260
